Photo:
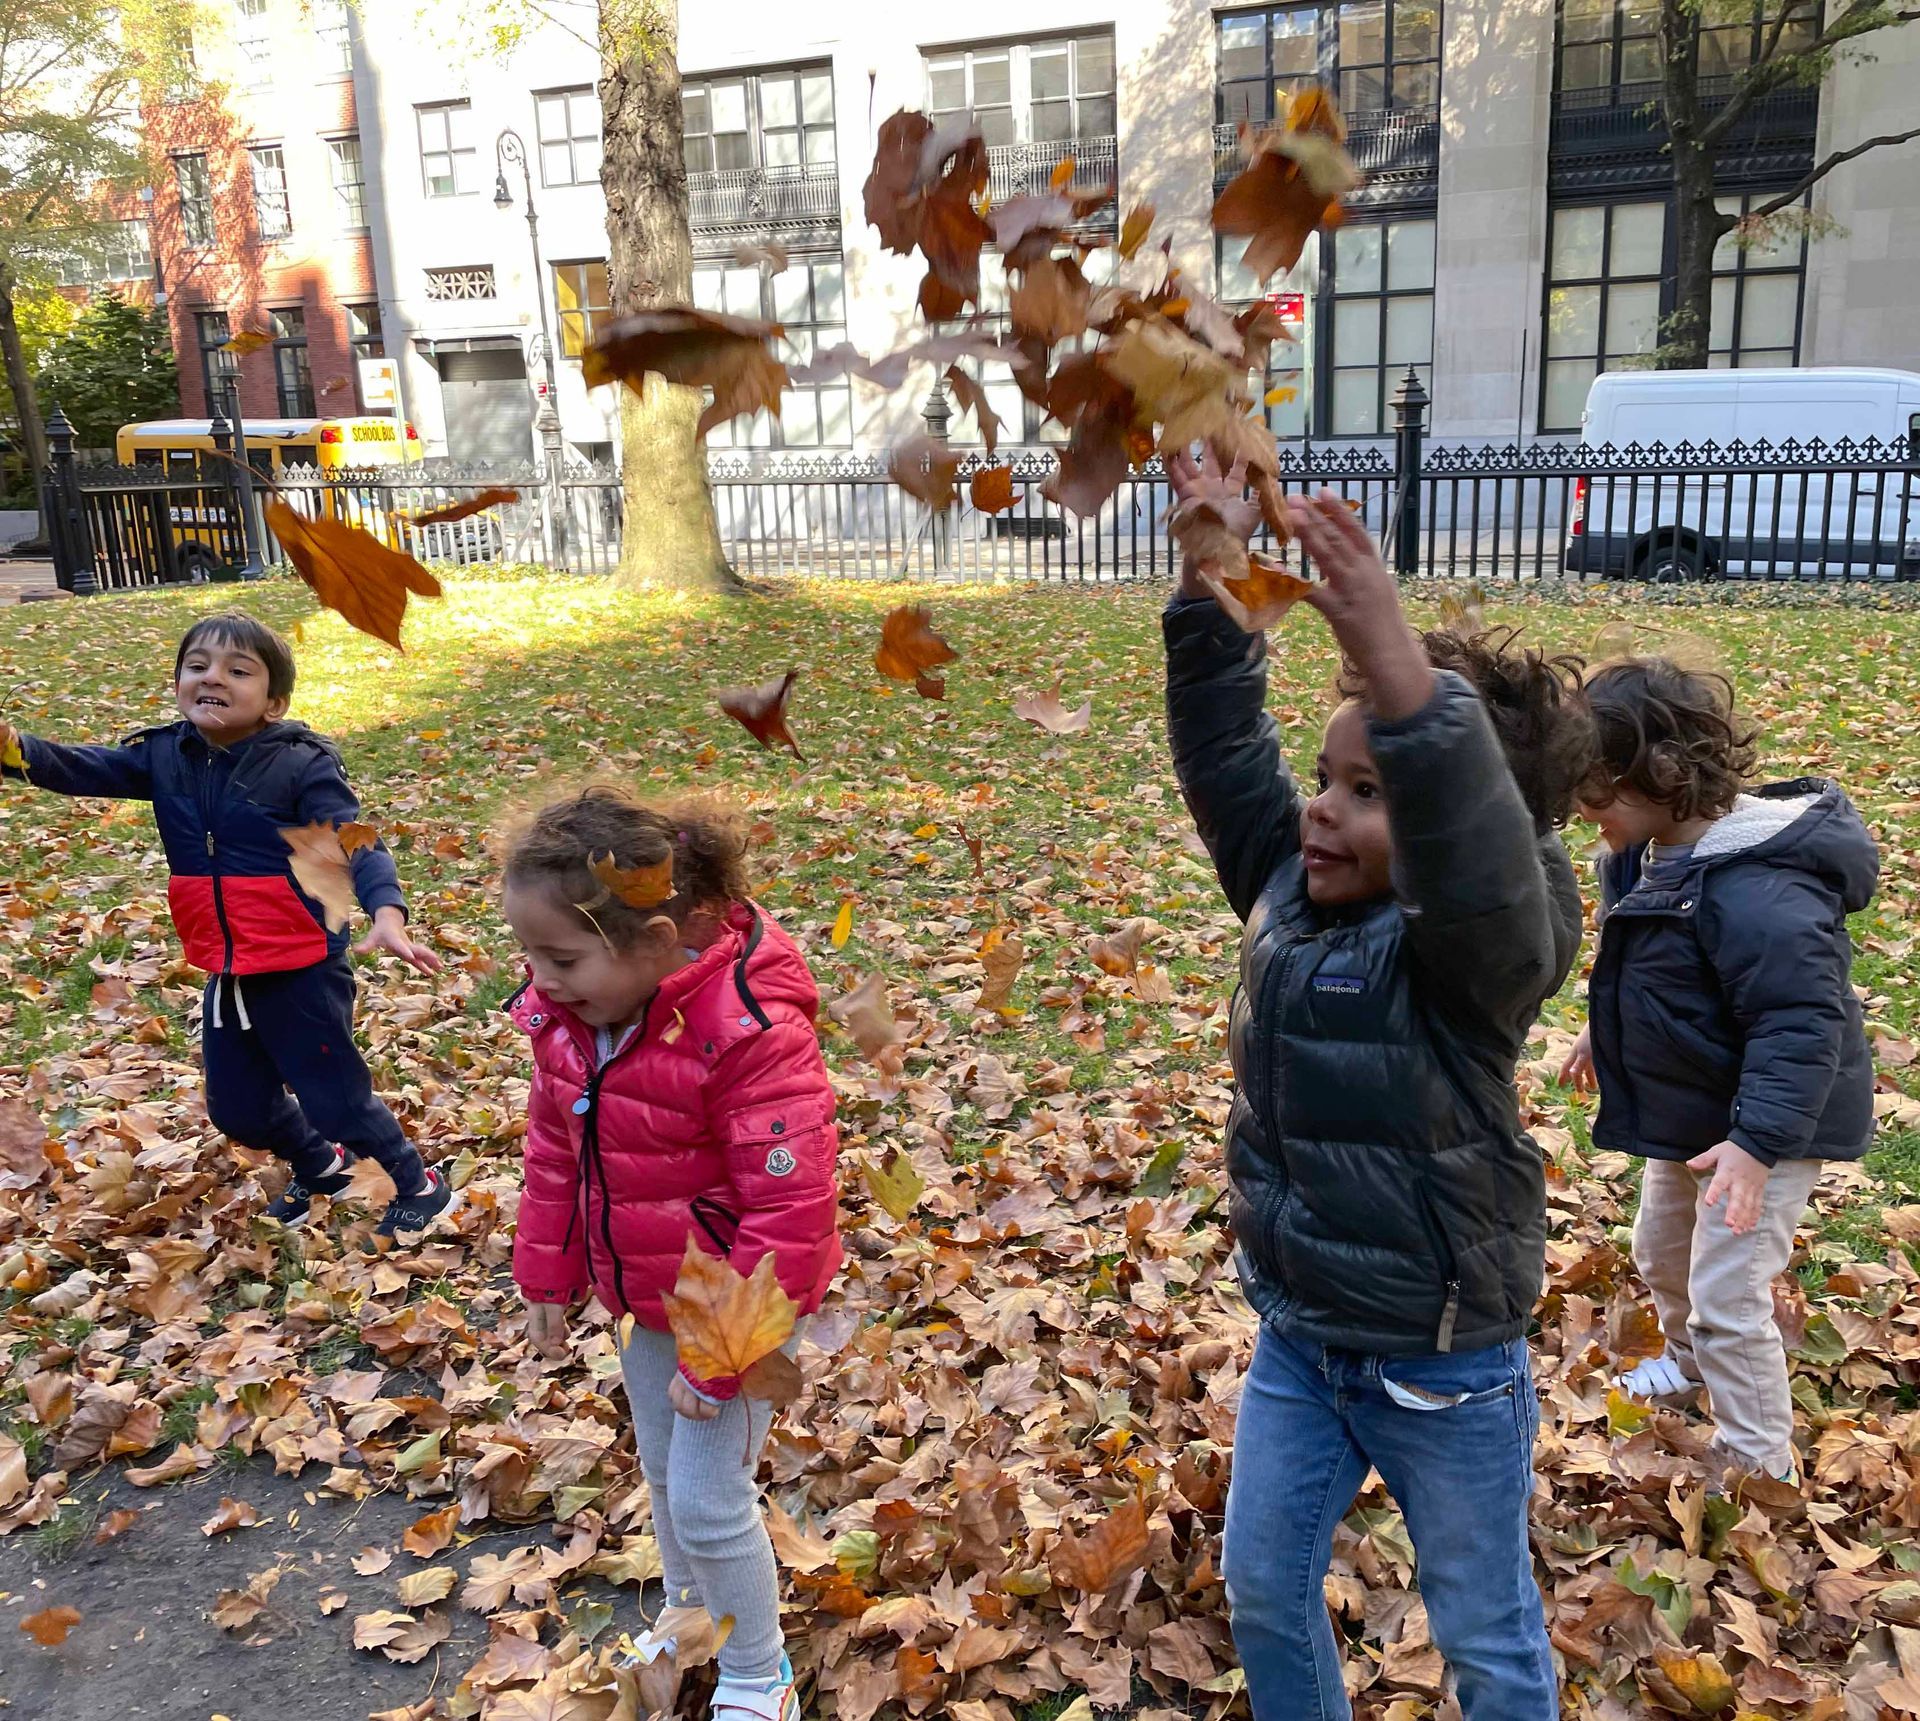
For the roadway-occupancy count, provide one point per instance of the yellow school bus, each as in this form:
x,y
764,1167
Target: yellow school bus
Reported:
x,y
273,443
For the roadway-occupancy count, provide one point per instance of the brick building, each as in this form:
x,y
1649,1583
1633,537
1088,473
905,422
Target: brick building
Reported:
x,y
260,212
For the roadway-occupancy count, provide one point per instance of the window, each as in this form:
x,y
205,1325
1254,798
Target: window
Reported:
x,y
1604,265
269,164
766,119
364,333
349,182
447,156
191,180
583,298
1605,43
1029,92
218,367
1756,296
808,297
253,42
333,26
569,124
291,374
1377,54
1382,319
120,251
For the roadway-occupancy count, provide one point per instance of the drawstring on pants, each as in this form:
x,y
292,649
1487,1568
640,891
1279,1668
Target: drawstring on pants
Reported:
x,y
239,1002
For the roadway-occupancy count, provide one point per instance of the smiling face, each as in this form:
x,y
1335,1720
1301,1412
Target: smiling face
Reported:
x,y
605,985
1344,834
222,690
1628,820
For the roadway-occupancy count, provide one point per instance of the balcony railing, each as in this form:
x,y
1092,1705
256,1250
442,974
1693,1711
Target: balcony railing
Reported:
x,y
1398,149
1617,134
1022,169
788,203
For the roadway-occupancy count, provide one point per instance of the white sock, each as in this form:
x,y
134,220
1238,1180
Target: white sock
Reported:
x,y
1657,1377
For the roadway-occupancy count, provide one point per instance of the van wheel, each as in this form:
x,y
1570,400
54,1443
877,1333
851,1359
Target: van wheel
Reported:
x,y
1670,562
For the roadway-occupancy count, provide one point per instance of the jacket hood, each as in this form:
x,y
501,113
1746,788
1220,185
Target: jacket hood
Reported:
x,y
1808,823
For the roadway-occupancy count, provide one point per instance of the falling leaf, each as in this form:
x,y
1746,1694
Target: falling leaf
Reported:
x,y
723,1323
920,194
643,887
761,252
232,1515
1001,954
991,489
842,925
427,1536
896,1185
321,869
1292,184
762,711
925,469
969,396
1050,300
1258,601
908,645
1135,227
1046,710
351,571
492,497
1062,175
930,686
49,1627
867,1016
1113,1549
1281,396
695,349
775,1379
247,341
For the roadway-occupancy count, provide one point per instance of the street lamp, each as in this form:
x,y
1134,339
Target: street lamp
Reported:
x,y
509,150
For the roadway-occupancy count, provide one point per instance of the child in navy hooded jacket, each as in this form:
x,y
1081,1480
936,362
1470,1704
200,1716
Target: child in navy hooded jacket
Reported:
x,y
225,781
1723,1029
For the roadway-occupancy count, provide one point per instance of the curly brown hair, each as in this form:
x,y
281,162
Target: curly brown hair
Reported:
x,y
707,839
1534,702
1668,734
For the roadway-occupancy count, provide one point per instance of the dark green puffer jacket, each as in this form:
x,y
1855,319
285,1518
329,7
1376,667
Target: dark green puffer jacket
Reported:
x,y
1385,1197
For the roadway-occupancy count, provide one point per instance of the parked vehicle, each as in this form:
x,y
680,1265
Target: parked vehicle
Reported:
x,y
1792,492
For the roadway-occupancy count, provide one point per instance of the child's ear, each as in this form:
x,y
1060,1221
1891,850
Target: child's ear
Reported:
x,y
660,935
277,709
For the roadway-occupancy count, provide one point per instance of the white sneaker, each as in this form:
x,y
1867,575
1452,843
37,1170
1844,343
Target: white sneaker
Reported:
x,y
734,1700
1658,1377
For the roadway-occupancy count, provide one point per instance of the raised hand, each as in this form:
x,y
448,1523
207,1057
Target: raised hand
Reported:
x,y
390,934
1210,483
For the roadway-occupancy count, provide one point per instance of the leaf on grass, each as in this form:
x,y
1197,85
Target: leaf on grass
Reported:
x,y
321,869
762,711
991,489
1113,1549
429,1535
23,1148
896,1185
49,1627
445,515
1001,954
842,925
11,756
908,644
1119,953
232,1515
351,572
1263,597
723,1323
637,886
1046,710
867,1015
925,469
733,356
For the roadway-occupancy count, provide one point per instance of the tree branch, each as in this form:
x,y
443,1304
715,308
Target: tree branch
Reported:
x,y
1787,199
1771,73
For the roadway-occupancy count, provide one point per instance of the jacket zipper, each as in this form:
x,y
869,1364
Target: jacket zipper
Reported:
x,y
1269,1112
219,895
590,1130
1443,1248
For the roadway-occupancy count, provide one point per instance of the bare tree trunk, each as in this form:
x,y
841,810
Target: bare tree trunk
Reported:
x,y
670,535
26,401
1698,224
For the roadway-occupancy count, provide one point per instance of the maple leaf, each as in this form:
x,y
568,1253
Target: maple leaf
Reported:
x,y
762,711
908,644
445,515
1113,1549
694,349
925,469
866,1014
1292,183
23,1145
49,1627
320,866
1098,449
491,1579
428,1535
991,489
1700,1679
232,1515
1046,710
246,341
921,193
969,396
896,1185
370,1561
351,572
637,886
377,1629
1192,392
723,1323
1260,598
1050,300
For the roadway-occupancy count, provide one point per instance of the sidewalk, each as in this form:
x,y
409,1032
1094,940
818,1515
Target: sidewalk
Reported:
x,y
18,577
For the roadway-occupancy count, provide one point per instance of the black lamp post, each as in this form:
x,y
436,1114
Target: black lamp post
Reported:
x,y
509,150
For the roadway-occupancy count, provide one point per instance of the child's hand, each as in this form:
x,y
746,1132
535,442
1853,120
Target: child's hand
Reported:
x,y
547,1329
390,934
1739,1179
1362,605
688,1403
1577,1071
1221,490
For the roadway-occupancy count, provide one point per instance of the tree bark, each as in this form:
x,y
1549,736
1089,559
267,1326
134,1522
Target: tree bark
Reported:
x,y
26,402
670,535
1698,223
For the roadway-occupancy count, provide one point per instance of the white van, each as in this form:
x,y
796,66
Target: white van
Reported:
x,y
1822,515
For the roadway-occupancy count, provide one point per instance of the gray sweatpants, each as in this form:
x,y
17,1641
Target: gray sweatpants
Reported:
x,y
704,1480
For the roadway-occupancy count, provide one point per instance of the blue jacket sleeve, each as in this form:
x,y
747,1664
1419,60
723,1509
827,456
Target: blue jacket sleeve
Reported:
x,y
122,773
1226,748
1778,945
327,798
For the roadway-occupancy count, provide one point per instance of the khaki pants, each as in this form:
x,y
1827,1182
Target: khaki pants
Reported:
x,y
1713,1291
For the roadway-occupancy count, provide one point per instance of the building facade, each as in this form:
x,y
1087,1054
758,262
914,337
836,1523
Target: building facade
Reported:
x,y
1513,239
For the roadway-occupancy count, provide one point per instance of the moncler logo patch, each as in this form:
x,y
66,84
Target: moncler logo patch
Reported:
x,y
780,1162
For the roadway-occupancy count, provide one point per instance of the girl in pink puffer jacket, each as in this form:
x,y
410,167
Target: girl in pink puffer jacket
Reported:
x,y
678,1093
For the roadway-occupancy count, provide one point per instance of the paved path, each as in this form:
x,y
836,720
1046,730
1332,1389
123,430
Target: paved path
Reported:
x,y
18,577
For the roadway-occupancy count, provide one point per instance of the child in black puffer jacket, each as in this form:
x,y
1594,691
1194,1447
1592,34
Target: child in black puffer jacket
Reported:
x,y
1722,1028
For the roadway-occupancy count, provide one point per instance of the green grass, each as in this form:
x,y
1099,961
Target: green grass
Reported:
x,y
61,1536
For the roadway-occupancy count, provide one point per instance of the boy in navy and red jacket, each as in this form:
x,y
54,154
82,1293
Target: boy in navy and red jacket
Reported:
x,y
225,781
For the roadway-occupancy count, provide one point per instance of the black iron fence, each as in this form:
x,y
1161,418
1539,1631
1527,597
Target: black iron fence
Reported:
x,y
1848,510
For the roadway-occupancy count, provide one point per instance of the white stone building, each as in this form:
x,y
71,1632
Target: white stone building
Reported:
x,y
1514,236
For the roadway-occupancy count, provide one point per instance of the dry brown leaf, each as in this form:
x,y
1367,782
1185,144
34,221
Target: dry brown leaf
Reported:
x,y
427,1536
1135,227
1263,597
245,341
351,572
761,252
1046,710
23,1146
493,496
235,1610
991,489
1294,179
1113,1549
908,644
49,1627
724,1323
371,1561
418,1589
232,1515
762,711
867,1015
321,869
645,886
1119,953
1001,954
112,1527
1050,300
733,356
925,469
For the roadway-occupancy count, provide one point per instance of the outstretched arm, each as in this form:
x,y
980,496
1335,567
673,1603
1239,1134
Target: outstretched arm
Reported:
x,y
120,773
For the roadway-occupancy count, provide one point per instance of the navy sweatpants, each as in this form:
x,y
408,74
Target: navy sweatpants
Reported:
x,y
265,1034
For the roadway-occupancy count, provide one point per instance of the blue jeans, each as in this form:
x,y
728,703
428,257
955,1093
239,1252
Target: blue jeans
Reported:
x,y
1452,1437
